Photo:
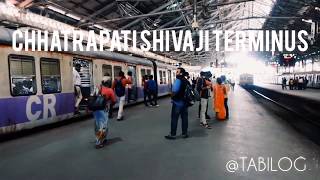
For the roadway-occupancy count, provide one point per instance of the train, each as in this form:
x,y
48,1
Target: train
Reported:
x,y
246,79
37,87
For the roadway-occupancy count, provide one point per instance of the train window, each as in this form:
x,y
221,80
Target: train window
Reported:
x,y
106,70
164,77
50,75
148,71
143,72
22,75
161,77
116,71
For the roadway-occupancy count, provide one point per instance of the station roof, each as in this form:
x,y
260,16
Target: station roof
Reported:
x,y
300,14
178,14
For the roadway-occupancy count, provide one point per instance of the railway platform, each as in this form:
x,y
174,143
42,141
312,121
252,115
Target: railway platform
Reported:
x,y
137,149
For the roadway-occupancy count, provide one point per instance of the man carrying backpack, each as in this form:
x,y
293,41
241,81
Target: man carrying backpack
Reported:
x,y
179,105
119,86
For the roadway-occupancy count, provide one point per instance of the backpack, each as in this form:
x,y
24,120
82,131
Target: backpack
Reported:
x,y
97,102
190,96
119,88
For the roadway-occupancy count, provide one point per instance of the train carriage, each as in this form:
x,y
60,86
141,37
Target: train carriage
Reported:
x,y
37,87
246,79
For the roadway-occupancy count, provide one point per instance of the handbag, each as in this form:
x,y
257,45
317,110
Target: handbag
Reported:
x,y
97,102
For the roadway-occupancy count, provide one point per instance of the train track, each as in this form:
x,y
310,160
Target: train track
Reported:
x,y
306,124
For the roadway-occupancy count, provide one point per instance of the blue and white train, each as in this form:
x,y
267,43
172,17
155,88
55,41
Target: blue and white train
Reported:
x,y
36,88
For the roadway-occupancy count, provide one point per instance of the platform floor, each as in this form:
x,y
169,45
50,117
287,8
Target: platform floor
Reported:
x,y
138,151
307,93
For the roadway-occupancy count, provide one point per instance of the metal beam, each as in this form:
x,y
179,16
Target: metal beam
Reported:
x,y
229,3
140,19
137,16
99,11
142,16
170,22
255,17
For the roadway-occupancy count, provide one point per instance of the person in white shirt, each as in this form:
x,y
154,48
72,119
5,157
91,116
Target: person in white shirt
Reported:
x,y
77,86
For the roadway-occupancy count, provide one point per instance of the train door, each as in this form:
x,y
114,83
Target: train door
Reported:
x,y
86,76
170,79
133,88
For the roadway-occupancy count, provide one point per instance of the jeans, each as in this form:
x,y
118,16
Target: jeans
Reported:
x,y
145,95
175,113
153,97
121,104
130,90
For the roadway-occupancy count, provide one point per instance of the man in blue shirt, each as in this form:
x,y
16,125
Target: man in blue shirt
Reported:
x,y
152,89
179,107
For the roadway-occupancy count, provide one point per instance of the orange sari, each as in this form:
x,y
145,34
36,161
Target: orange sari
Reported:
x,y
219,92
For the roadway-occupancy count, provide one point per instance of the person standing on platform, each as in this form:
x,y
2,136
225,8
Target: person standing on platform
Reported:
x,y
119,86
219,92
145,89
108,80
291,84
295,83
152,91
77,87
100,116
305,82
284,83
179,107
300,83
194,83
203,88
232,83
227,86
200,83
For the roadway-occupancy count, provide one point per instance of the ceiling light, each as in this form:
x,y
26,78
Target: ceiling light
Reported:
x,y
73,16
307,20
56,9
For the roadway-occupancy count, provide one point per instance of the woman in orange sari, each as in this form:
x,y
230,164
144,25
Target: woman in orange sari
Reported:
x,y
219,91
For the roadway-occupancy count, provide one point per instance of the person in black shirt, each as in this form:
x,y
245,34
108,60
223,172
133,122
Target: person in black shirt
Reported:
x,y
204,86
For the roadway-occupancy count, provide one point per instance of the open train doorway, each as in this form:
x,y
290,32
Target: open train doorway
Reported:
x,y
133,88
85,73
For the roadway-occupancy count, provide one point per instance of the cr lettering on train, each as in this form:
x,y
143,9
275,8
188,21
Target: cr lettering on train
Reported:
x,y
48,103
